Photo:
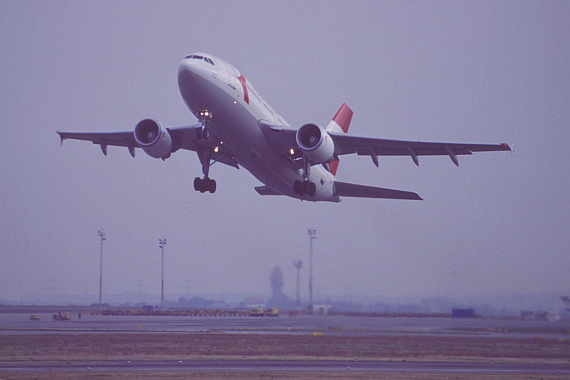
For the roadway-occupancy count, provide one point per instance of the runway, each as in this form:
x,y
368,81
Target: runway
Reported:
x,y
305,344
295,366
339,325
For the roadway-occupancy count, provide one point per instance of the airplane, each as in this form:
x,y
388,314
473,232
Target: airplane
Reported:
x,y
237,127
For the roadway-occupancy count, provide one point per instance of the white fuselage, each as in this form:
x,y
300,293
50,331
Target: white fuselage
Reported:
x,y
235,108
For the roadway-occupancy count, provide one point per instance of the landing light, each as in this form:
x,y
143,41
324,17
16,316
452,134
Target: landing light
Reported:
x,y
216,149
292,151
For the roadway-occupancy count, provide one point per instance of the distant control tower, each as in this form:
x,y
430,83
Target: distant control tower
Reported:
x,y
312,233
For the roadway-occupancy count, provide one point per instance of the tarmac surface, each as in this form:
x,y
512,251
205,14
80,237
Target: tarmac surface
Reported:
x,y
296,366
20,324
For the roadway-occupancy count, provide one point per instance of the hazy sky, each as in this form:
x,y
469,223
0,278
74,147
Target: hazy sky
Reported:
x,y
481,72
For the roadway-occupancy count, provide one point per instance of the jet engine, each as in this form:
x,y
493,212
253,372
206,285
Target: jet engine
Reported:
x,y
153,139
316,143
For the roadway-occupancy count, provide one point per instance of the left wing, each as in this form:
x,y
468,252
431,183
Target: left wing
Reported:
x,y
345,144
284,140
184,137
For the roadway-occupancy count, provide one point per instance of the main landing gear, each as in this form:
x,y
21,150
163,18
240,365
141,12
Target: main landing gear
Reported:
x,y
205,184
304,188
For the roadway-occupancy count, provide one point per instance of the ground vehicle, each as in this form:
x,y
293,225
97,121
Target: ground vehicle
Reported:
x,y
273,312
34,317
62,316
256,312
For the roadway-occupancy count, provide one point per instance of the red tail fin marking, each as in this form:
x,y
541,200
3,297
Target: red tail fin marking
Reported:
x,y
342,118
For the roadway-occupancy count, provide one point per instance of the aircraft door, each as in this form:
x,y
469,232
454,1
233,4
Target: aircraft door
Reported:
x,y
232,80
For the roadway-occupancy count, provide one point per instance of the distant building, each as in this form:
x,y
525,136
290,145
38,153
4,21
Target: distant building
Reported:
x,y
321,309
463,313
253,302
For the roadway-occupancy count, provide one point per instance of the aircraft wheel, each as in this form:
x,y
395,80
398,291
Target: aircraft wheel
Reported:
x,y
212,186
312,189
198,133
197,183
297,187
306,187
205,134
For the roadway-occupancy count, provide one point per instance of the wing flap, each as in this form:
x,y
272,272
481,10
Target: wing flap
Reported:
x,y
264,190
360,191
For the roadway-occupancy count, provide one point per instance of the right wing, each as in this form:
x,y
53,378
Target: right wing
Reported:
x,y
182,138
104,139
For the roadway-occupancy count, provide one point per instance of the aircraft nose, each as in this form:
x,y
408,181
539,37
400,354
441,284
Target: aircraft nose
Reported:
x,y
191,82
190,71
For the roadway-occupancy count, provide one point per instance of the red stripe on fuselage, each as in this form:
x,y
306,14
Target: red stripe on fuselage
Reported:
x,y
241,79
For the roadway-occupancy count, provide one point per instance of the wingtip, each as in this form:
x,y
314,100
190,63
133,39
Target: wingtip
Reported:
x,y
60,137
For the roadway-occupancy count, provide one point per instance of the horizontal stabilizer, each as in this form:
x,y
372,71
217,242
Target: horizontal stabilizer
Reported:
x,y
360,191
264,190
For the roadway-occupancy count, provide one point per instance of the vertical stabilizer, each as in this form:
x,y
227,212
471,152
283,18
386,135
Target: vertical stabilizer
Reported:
x,y
339,124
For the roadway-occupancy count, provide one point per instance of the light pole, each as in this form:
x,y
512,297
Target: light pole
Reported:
x,y
161,244
102,237
312,233
298,265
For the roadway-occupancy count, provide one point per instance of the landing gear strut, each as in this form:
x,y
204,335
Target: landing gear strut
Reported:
x,y
203,119
305,187
205,184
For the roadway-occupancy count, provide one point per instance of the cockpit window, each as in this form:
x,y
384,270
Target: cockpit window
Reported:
x,y
200,57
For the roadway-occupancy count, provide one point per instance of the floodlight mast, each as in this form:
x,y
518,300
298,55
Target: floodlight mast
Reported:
x,y
102,237
298,265
161,244
312,233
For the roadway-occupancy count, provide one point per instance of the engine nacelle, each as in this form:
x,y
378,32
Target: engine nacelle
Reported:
x,y
316,143
153,139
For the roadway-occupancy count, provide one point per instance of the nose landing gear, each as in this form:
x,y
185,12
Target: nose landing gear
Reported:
x,y
205,184
203,118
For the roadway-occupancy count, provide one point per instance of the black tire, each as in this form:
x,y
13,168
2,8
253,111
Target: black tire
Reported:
x,y
297,187
312,189
306,187
197,183
212,186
